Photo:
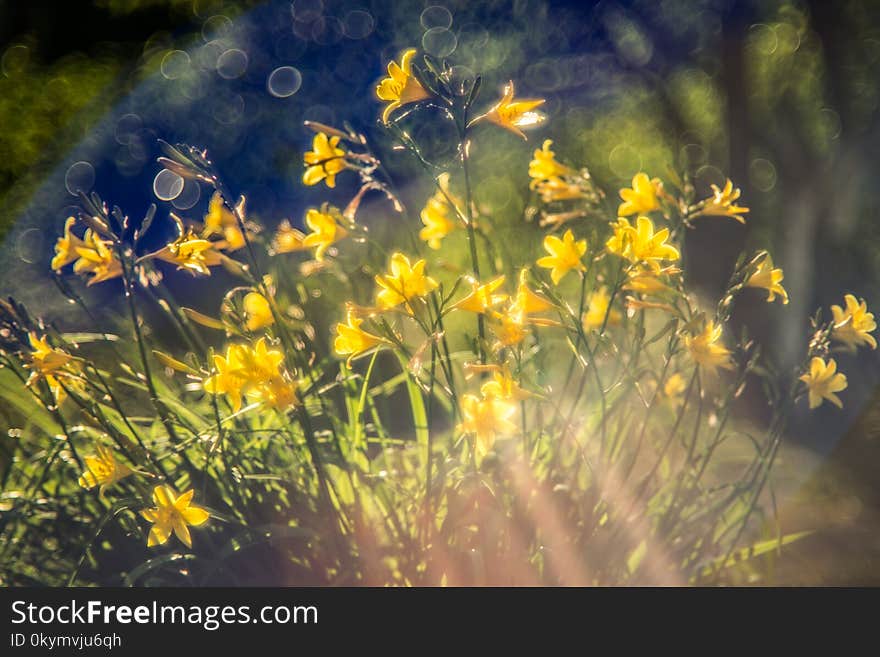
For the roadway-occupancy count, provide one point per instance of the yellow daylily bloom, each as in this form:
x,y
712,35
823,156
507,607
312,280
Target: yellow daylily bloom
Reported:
x,y
325,231
277,393
438,216
173,513
288,239
486,418
191,253
400,87
221,220
556,189
103,470
351,340
503,386
65,247
768,278
259,362
404,282
640,243
823,380
708,351
854,324
526,301
674,389
228,378
565,255
52,365
96,259
514,115
647,281
544,165
324,161
641,198
482,297
257,311
508,328
594,318
721,203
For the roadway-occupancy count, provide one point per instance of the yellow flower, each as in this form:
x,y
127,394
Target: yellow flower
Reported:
x,y
641,198
103,470
640,244
221,220
557,189
508,328
190,252
65,247
437,215
513,114
228,378
277,393
351,340
325,231
486,418
565,255
768,278
594,318
544,165
259,363
400,87
721,203
288,239
673,390
503,386
324,161
403,283
707,350
97,259
853,326
172,513
482,297
647,281
823,380
52,365
527,301
257,311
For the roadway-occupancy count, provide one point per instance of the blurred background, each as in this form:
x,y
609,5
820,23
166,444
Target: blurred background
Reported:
x,y
782,97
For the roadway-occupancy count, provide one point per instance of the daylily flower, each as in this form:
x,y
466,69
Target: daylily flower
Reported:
x,y
257,311
640,244
190,252
288,239
526,301
324,161
513,114
65,247
228,378
509,329
325,231
673,390
404,282
768,278
482,297
351,340
823,380
400,87
854,324
172,513
641,198
544,165
277,393
556,189
721,203
707,350
103,470
97,259
565,255
503,386
438,216
52,365
597,310
486,418
221,220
